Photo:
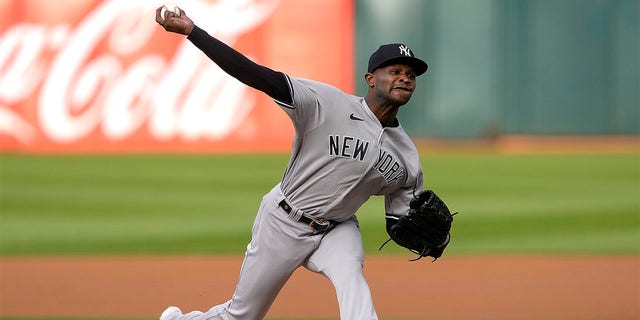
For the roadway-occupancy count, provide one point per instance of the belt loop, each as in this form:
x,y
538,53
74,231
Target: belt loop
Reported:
x,y
293,212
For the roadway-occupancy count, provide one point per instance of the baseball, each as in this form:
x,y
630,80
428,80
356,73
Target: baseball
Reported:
x,y
169,7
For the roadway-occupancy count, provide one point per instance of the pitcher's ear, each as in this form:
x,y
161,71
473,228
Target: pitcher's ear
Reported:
x,y
369,78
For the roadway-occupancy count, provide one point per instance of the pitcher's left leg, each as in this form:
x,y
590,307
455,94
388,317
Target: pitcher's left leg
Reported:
x,y
340,258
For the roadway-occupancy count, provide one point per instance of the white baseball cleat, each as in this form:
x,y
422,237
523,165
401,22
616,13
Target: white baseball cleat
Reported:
x,y
171,313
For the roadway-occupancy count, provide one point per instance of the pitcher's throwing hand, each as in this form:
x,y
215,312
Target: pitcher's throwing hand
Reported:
x,y
346,149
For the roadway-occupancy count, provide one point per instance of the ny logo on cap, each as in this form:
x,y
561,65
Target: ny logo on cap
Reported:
x,y
405,50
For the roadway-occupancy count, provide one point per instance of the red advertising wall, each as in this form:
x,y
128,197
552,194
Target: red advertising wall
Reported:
x,y
102,76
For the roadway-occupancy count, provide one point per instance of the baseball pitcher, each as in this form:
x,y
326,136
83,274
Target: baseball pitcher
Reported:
x,y
346,149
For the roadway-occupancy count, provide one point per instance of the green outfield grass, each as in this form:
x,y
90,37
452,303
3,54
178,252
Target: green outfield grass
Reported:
x,y
205,204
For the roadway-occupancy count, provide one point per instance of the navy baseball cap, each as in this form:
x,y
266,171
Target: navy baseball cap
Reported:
x,y
396,53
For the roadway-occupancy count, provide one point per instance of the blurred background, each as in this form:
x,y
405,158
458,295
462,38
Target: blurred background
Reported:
x,y
518,67
102,76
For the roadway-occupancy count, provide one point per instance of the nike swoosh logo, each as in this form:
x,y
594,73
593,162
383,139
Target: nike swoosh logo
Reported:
x,y
353,117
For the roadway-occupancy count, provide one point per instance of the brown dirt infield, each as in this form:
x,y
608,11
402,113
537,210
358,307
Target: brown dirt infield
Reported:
x,y
455,287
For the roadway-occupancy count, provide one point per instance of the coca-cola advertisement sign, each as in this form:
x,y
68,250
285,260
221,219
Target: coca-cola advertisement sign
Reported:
x,y
103,76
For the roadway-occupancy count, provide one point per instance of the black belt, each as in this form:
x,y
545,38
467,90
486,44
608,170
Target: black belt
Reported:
x,y
318,226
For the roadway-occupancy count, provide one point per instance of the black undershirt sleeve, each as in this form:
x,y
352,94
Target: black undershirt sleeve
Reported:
x,y
273,83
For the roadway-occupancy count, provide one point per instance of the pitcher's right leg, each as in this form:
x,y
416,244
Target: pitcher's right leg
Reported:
x,y
340,257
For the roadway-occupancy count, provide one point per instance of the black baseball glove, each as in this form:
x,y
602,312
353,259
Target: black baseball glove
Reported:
x,y
425,230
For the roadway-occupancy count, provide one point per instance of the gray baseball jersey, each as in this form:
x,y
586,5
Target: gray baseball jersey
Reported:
x,y
342,155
